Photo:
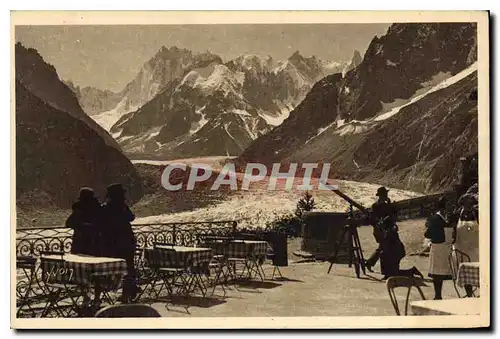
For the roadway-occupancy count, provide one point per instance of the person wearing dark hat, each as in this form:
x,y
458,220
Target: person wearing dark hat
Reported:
x,y
118,235
440,231
382,213
85,221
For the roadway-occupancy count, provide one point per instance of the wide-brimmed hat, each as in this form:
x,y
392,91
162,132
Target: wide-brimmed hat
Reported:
x,y
86,193
115,191
382,191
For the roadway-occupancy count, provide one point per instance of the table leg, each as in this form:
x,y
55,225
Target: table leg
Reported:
x,y
469,291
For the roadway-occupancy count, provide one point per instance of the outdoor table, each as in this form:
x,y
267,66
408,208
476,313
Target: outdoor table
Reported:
x,y
252,251
81,268
240,248
468,274
196,259
462,306
84,271
193,256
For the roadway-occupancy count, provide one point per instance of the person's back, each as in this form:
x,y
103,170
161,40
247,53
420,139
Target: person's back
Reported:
x,y
119,236
85,220
117,230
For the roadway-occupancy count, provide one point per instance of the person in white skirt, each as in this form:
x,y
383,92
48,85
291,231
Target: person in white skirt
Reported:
x,y
440,232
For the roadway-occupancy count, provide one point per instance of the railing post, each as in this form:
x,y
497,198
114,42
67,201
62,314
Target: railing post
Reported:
x,y
174,234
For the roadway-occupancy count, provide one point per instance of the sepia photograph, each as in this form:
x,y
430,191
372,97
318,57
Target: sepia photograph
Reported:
x,y
262,170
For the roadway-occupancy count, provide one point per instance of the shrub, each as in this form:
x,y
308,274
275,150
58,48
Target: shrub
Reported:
x,y
305,204
291,224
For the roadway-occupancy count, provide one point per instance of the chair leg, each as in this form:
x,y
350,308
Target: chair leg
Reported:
x,y
407,301
218,280
394,302
276,269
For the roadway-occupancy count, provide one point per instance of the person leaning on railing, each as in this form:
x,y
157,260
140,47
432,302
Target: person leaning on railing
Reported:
x,y
118,237
85,221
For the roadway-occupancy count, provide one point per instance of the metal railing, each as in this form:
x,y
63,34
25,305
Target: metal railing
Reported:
x,y
32,241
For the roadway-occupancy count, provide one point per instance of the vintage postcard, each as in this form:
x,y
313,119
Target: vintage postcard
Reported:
x,y
250,169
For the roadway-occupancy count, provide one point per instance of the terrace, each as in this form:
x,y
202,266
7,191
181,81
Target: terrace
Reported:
x,y
305,290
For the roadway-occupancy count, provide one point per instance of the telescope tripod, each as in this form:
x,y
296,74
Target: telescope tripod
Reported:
x,y
349,238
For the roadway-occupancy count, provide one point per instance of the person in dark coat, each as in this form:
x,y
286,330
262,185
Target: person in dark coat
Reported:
x,y
390,249
382,213
85,221
118,236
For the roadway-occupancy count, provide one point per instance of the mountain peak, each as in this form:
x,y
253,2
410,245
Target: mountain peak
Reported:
x,y
356,59
171,52
296,56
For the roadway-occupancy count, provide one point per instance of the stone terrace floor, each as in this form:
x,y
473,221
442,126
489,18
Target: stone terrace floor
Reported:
x,y
310,291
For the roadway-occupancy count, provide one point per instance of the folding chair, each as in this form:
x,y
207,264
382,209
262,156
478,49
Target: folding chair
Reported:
x,y
168,269
195,278
175,272
278,252
272,257
221,272
249,261
409,283
218,266
25,294
59,288
148,276
455,258
106,288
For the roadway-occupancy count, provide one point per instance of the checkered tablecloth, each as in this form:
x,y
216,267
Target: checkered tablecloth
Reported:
x,y
240,248
468,274
192,256
79,269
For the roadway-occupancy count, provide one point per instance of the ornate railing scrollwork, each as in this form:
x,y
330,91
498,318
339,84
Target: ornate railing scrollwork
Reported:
x,y
32,241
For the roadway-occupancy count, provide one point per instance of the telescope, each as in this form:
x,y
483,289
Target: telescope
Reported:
x,y
344,196
349,237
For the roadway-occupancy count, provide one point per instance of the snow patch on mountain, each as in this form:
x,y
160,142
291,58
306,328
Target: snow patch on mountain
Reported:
x,y
190,79
273,120
109,118
353,127
240,112
225,128
223,79
394,109
202,122
245,122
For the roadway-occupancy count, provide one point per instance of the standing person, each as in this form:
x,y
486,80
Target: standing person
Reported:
x,y
440,232
382,212
85,221
119,237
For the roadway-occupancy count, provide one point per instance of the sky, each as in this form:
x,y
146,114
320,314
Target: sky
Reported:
x,y
109,57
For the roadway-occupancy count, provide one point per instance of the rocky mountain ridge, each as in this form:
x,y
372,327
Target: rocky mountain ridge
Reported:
x,y
414,76
59,149
195,105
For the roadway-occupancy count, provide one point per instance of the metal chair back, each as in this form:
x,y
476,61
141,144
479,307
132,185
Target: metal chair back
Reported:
x,y
455,258
406,282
